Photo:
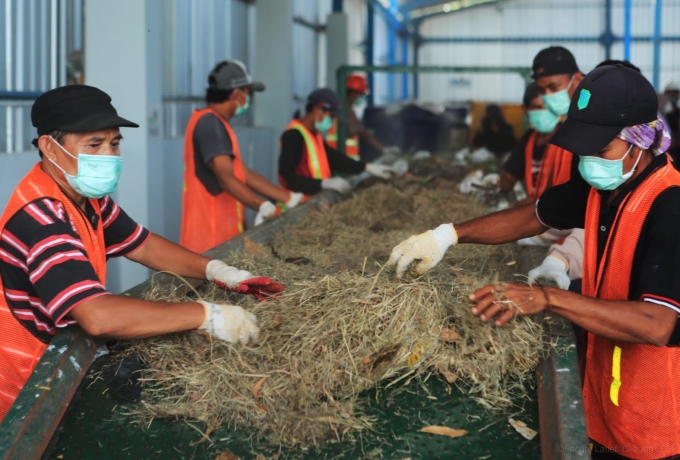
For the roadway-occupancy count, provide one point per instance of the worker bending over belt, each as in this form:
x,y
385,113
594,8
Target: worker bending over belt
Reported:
x,y
357,90
217,184
59,229
627,198
307,163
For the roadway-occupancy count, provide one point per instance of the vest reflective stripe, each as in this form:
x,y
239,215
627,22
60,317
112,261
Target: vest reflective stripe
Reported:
x,y
351,143
209,220
20,351
555,168
631,392
616,376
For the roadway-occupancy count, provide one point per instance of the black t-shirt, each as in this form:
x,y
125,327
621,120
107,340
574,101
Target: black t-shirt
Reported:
x,y
292,148
210,139
655,276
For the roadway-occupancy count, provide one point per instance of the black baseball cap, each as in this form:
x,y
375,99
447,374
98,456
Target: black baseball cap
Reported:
x,y
75,109
232,74
607,100
555,60
328,99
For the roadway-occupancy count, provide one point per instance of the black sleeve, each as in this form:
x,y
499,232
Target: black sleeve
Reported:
x,y
292,146
564,206
659,251
211,139
340,163
516,164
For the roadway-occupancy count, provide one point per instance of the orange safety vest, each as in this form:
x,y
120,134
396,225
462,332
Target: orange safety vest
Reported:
x,y
555,168
207,220
351,143
20,351
631,391
314,162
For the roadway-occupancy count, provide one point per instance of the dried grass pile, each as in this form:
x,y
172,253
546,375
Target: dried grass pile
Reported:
x,y
344,325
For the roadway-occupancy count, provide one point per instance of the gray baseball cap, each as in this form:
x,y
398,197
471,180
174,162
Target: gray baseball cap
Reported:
x,y
232,74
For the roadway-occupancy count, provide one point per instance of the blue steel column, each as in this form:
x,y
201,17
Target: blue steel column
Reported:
x,y
337,6
627,37
657,44
416,56
392,50
370,32
607,39
404,61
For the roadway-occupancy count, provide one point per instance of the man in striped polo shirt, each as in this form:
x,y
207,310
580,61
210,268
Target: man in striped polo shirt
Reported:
x,y
60,227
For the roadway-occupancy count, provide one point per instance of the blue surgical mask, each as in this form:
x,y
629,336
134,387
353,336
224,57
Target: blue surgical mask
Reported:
x,y
558,102
324,125
360,102
243,108
97,174
605,174
543,121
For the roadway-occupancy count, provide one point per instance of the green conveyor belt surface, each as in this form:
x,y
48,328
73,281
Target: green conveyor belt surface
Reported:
x,y
94,428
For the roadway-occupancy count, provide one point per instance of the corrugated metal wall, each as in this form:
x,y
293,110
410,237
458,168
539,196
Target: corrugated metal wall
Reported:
x,y
197,35
43,42
537,18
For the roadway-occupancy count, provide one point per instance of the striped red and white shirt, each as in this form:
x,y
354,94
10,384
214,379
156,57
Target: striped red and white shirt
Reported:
x,y
44,268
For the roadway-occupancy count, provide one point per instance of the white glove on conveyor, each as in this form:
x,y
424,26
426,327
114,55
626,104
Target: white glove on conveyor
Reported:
x,y
241,281
229,323
267,211
295,199
534,241
429,248
552,269
338,184
381,171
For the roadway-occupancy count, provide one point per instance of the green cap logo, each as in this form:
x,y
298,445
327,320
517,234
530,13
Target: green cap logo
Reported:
x,y
583,99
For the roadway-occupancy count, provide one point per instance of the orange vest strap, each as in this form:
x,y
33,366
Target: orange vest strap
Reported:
x,y
317,161
631,392
555,168
351,143
20,351
207,220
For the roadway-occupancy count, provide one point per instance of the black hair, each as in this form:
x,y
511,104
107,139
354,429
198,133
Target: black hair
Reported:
x,y
530,93
626,64
57,135
217,96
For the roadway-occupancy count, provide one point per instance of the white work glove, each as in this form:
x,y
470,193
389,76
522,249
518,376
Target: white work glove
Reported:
x,y
295,199
534,241
229,323
392,149
381,171
554,269
267,211
241,281
472,182
338,184
428,247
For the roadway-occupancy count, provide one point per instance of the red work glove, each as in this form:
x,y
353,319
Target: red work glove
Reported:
x,y
241,281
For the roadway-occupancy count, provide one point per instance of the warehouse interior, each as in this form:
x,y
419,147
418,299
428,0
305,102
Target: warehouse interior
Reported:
x,y
435,77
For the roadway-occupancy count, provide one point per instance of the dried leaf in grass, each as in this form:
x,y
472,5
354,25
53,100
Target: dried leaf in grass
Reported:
x,y
523,429
444,431
256,389
226,455
449,336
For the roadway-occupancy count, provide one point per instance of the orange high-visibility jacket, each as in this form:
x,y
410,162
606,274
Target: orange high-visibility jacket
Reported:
x,y
207,220
555,168
314,162
351,143
631,391
20,351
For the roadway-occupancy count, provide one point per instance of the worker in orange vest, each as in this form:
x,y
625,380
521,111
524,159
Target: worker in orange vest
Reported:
x,y
627,198
539,163
217,185
307,163
60,227
357,90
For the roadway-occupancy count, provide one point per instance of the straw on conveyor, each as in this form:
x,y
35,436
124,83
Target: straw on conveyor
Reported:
x,y
345,325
